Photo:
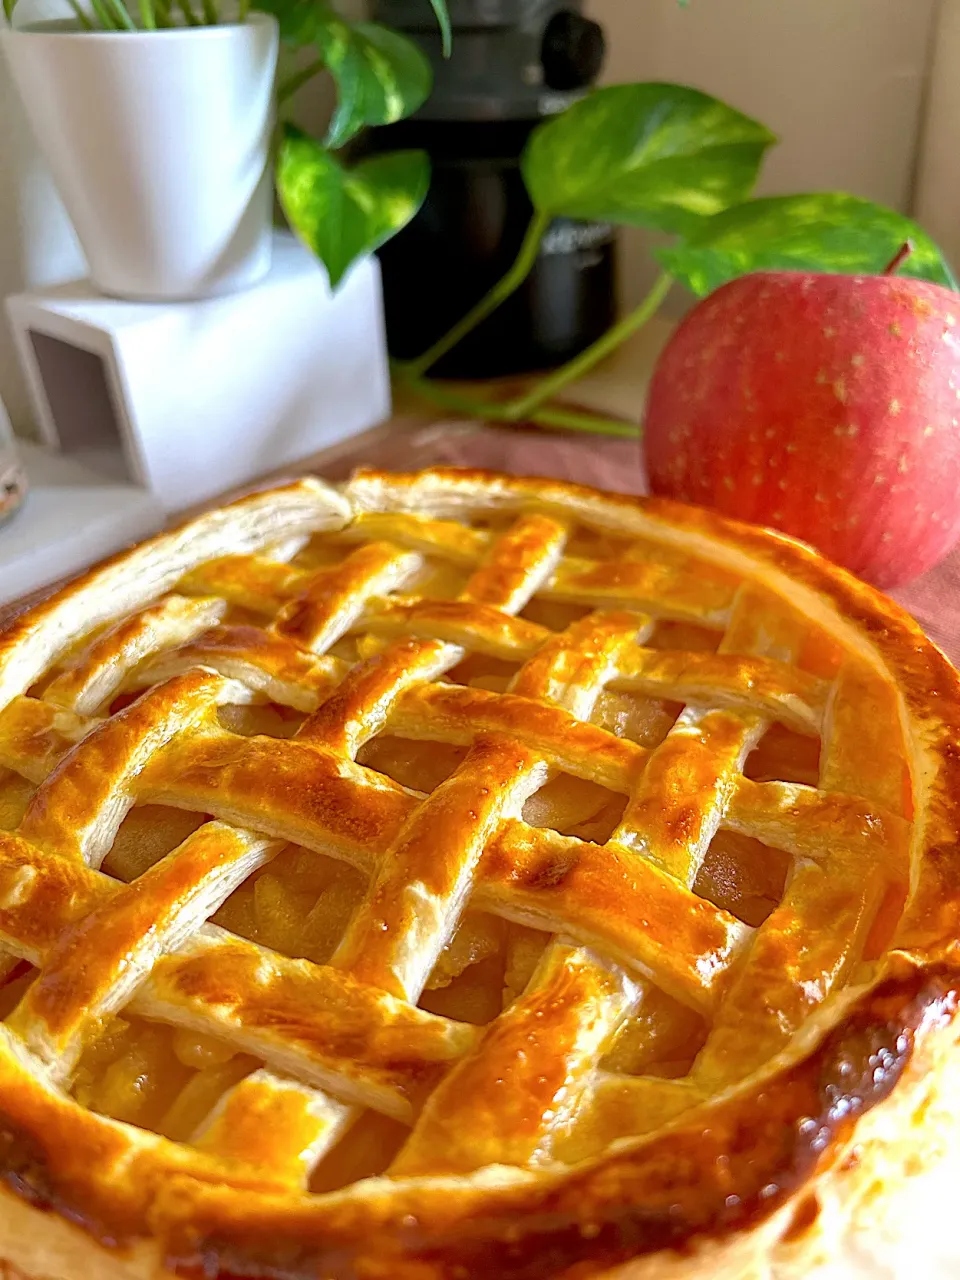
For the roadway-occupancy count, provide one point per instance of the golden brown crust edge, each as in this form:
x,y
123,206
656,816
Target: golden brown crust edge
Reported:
x,y
859,1211
242,1239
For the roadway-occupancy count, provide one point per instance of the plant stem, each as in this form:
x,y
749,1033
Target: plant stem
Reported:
x,y
549,416
103,15
81,15
448,398
188,13
502,290
162,11
293,82
100,16
210,15
593,424
548,387
123,20
243,11
147,15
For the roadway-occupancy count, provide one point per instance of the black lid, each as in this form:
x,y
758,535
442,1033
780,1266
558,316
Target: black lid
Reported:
x,y
469,15
511,59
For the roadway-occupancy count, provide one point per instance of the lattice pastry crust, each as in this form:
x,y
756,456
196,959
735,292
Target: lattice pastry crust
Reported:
x,y
454,875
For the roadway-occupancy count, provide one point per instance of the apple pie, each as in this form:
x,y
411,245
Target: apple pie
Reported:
x,y
452,875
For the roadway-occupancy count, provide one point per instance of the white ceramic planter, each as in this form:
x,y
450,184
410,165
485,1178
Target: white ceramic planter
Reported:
x,y
159,144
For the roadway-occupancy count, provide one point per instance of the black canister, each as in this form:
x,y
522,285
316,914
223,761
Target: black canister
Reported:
x,y
514,63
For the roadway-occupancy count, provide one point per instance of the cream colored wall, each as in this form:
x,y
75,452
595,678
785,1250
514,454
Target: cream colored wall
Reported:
x,y
840,81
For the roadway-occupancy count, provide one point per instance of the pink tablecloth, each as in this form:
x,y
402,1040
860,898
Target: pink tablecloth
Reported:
x,y
934,599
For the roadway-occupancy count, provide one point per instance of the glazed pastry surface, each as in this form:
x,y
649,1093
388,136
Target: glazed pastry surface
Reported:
x,y
455,875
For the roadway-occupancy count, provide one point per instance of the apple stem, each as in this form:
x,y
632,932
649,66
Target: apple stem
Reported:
x,y
902,254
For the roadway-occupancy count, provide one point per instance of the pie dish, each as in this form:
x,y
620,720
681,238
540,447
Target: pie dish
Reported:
x,y
453,875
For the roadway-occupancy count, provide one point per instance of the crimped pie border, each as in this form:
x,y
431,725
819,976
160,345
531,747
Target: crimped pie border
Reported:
x,y
513,1225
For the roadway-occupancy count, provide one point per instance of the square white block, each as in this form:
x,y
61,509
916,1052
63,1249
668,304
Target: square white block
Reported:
x,y
71,517
190,399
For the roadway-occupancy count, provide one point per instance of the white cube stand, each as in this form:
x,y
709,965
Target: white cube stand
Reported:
x,y
191,399
71,517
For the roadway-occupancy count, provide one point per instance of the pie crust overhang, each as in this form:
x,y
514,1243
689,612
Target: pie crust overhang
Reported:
x,y
725,994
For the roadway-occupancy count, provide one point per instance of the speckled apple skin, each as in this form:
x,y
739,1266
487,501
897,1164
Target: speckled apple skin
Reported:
x,y
825,406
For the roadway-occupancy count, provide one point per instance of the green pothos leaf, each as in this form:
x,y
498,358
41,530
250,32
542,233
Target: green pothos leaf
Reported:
x,y
651,155
381,76
830,232
342,214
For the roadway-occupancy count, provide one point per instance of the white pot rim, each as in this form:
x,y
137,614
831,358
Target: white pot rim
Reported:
x,y
64,29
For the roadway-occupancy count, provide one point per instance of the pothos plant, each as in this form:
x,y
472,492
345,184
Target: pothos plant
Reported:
x,y
380,77
659,156
345,210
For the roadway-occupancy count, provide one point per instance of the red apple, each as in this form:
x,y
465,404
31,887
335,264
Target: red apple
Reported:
x,y
826,406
